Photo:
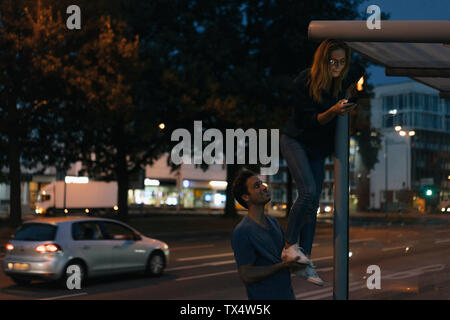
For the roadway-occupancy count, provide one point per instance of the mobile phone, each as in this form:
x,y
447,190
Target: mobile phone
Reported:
x,y
353,99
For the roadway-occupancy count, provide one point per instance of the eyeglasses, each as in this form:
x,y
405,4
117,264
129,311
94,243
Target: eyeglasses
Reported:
x,y
336,63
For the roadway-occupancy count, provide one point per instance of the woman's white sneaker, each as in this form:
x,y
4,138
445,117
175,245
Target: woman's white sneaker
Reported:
x,y
309,274
294,251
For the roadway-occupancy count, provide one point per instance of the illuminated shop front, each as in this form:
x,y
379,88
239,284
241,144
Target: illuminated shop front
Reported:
x,y
203,194
192,193
156,193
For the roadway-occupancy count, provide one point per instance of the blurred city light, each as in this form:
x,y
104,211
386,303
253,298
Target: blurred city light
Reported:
x,y
69,179
151,182
218,183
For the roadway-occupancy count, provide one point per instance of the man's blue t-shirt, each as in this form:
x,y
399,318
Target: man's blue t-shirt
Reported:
x,y
255,244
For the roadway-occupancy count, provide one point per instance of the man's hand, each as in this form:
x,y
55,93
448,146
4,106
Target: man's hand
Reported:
x,y
289,261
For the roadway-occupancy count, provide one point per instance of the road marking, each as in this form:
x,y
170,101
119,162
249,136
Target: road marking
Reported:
x,y
322,293
322,258
442,241
325,269
414,272
394,248
206,275
66,296
192,247
313,293
361,240
357,285
219,263
207,264
330,294
207,257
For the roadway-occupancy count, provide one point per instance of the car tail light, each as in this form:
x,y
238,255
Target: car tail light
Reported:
x,y
9,247
48,248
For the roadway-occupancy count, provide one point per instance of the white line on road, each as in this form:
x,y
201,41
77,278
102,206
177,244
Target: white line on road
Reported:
x,y
361,240
192,247
206,257
206,275
322,258
393,248
219,263
442,241
330,293
325,269
357,285
322,293
207,264
231,254
66,296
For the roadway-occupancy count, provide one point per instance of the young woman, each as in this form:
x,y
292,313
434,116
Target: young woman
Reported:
x,y
308,138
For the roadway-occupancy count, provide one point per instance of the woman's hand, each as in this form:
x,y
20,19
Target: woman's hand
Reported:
x,y
342,107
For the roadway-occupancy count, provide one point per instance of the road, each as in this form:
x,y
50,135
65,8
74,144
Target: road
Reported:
x,y
414,263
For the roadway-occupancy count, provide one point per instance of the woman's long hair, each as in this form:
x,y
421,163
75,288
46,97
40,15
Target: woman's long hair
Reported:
x,y
320,78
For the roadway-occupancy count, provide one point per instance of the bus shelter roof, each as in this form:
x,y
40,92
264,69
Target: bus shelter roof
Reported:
x,y
418,49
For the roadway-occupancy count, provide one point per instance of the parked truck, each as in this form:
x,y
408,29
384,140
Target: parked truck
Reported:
x,y
91,197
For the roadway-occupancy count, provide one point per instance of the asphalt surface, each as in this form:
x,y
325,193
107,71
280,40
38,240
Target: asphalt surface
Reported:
x,y
413,259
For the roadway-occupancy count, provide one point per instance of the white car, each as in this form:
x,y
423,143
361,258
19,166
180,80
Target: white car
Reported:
x,y
51,248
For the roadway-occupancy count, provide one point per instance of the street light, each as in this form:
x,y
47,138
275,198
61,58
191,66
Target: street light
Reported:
x,y
402,133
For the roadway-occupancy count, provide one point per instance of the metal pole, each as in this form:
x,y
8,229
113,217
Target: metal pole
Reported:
x,y
178,187
386,175
407,159
341,213
65,185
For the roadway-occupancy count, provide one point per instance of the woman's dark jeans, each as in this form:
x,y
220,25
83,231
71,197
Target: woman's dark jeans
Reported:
x,y
308,173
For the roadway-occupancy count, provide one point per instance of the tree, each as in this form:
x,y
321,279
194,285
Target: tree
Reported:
x,y
120,134
255,58
236,61
29,91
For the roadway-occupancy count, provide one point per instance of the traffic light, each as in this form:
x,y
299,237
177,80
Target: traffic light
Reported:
x,y
428,191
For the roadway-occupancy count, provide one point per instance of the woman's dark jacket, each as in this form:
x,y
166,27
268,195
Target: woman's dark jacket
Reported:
x,y
303,124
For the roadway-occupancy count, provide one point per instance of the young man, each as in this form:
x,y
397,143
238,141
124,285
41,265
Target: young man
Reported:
x,y
258,243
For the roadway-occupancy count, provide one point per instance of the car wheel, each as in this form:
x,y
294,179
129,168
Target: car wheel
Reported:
x,y
68,272
21,282
155,264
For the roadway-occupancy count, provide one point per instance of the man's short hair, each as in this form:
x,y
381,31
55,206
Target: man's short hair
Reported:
x,y
240,186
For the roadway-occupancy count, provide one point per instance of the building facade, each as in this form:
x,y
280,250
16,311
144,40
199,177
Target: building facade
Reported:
x,y
189,187
414,162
